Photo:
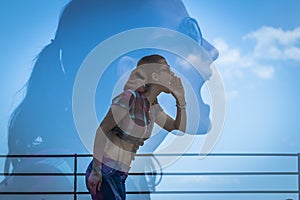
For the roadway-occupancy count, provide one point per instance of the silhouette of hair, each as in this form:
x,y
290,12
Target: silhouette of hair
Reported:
x,y
45,113
36,116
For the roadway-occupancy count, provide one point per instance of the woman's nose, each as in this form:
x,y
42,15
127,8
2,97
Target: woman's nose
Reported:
x,y
210,49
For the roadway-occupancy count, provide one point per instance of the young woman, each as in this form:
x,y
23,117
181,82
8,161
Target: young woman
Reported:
x,y
129,122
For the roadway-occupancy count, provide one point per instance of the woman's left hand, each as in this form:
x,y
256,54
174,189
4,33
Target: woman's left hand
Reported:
x,y
94,182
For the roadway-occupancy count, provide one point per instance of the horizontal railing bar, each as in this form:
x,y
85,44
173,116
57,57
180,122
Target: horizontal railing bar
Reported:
x,y
37,174
36,193
210,192
224,154
165,192
160,154
219,192
164,174
216,173
39,156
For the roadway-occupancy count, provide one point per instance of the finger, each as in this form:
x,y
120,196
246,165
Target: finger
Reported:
x,y
174,80
177,81
92,189
99,186
93,192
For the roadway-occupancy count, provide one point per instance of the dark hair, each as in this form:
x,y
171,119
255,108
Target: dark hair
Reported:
x,y
152,59
139,77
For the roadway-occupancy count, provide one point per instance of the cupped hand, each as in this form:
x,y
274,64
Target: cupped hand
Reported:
x,y
177,90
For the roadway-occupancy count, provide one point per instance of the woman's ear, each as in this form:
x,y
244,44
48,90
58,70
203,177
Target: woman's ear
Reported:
x,y
154,76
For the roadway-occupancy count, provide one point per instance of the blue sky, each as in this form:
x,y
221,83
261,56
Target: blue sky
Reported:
x,y
259,62
259,44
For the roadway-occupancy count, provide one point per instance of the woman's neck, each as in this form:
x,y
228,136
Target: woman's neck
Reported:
x,y
152,93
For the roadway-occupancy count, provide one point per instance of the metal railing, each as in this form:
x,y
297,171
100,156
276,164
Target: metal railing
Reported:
x,y
75,174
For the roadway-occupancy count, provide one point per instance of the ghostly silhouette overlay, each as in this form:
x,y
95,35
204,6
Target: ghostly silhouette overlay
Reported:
x,y
43,122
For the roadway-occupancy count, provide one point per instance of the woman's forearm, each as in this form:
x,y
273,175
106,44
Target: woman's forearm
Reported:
x,y
180,120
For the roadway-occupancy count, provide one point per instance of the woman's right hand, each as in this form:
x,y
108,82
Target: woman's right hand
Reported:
x,y
94,182
177,90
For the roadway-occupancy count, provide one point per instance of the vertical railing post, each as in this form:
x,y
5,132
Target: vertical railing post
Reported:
x,y
298,176
75,176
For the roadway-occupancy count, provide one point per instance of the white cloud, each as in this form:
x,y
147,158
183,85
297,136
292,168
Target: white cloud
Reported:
x,y
275,43
265,72
232,62
271,45
292,53
230,56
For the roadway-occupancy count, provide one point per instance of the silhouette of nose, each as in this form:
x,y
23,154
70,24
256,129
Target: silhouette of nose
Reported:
x,y
211,50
